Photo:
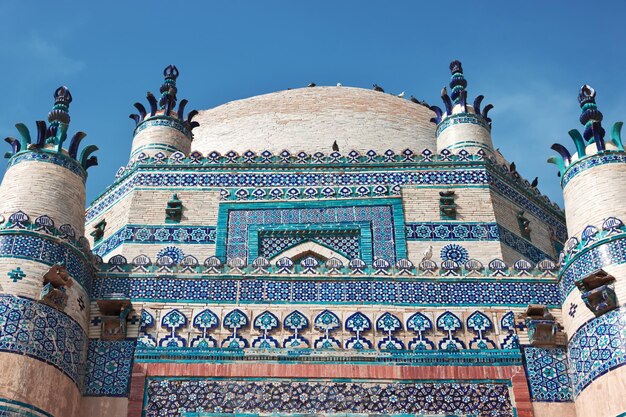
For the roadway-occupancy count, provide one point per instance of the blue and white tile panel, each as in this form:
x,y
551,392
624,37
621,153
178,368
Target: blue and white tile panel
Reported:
x,y
391,177
48,250
168,397
109,368
596,348
435,292
547,370
42,332
165,234
609,251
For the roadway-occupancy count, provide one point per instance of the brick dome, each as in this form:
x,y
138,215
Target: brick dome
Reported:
x,y
311,119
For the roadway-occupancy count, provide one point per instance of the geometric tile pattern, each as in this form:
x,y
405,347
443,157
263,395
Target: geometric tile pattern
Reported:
x,y
171,397
287,291
597,347
48,251
384,243
156,234
272,245
454,252
42,332
590,260
547,372
109,366
452,231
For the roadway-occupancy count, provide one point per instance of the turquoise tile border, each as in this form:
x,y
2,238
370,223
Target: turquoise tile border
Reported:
x,y
398,227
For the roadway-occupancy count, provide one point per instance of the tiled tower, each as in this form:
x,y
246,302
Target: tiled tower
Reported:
x,y
46,268
462,126
162,130
593,264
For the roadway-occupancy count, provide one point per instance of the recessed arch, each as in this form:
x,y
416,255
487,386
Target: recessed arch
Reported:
x,y
310,248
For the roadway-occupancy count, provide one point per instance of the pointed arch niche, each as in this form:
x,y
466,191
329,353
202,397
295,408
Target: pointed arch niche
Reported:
x,y
310,248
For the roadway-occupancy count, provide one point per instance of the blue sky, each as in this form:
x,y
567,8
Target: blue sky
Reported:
x,y
528,58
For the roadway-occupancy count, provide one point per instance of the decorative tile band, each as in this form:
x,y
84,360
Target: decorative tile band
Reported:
x,y
452,231
474,231
461,118
353,334
12,408
155,235
168,397
163,121
42,332
390,177
109,365
605,252
597,347
435,292
49,157
547,373
44,249
496,358
606,157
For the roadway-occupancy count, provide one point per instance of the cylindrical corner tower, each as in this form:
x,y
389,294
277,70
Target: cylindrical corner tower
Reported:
x,y
462,126
162,131
46,271
593,265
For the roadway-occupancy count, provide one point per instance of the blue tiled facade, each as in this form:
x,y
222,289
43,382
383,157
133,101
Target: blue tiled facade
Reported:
x,y
354,282
385,238
47,250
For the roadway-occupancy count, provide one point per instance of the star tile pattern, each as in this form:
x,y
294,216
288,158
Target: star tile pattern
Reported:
x,y
597,347
547,371
108,369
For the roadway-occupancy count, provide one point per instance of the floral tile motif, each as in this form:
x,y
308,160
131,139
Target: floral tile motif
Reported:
x,y
156,234
597,347
108,368
452,231
170,398
547,372
42,332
